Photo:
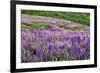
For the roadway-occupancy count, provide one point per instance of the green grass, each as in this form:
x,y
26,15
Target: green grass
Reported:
x,y
35,25
73,29
70,28
78,17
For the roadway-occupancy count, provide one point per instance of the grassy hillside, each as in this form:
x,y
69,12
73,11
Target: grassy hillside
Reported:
x,y
82,18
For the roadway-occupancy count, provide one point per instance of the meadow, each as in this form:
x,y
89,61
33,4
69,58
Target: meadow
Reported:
x,y
54,36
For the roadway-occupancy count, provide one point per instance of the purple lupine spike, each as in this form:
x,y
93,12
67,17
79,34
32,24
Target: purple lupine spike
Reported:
x,y
78,39
39,53
62,46
88,42
78,52
50,47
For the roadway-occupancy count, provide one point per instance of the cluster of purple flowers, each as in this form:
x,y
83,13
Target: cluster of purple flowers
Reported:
x,y
54,44
45,45
26,20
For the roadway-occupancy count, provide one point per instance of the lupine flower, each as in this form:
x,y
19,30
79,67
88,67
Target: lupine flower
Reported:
x,y
62,46
78,51
50,47
39,53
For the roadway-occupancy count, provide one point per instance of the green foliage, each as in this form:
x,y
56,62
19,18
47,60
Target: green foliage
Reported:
x,y
78,17
35,25
73,29
70,28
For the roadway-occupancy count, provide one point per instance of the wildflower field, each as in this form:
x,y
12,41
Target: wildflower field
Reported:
x,y
54,36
